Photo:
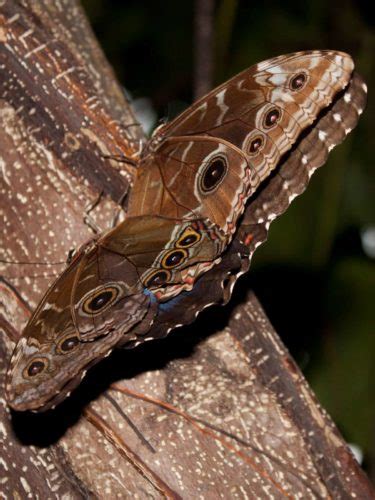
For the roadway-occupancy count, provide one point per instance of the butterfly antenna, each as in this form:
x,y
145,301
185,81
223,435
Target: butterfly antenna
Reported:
x,y
32,263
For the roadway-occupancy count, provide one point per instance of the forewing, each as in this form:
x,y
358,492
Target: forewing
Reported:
x,y
172,183
242,128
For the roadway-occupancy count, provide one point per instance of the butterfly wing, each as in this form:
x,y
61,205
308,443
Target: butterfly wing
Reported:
x,y
270,201
107,296
168,254
283,116
212,158
85,313
193,185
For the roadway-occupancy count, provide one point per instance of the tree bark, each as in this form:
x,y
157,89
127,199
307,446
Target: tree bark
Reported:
x,y
217,410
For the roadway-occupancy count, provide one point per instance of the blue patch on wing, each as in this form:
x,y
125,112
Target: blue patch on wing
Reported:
x,y
171,303
148,292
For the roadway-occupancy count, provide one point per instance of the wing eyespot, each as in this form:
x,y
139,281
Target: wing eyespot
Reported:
x,y
174,258
298,81
256,145
157,279
68,344
213,174
100,299
272,117
35,367
188,238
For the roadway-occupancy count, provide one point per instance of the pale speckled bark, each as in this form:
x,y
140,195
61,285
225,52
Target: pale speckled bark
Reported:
x,y
208,413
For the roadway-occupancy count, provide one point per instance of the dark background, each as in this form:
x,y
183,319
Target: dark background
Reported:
x,y
315,276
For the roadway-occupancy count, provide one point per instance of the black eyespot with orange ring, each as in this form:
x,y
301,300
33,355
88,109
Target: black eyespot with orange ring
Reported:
x,y
174,258
100,300
213,174
188,238
256,145
272,117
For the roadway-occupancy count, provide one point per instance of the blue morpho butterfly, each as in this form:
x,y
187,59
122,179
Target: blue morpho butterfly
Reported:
x,y
208,186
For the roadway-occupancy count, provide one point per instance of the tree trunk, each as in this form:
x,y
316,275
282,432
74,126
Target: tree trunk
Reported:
x,y
217,410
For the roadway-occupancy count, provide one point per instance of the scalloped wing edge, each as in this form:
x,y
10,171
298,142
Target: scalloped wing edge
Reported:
x,y
289,180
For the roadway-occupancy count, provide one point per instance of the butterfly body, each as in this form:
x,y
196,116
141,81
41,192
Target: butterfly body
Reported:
x,y
208,185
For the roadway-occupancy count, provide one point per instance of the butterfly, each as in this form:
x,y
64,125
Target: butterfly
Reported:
x,y
208,185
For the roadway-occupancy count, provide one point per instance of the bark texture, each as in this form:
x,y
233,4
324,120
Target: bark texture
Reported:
x,y
217,410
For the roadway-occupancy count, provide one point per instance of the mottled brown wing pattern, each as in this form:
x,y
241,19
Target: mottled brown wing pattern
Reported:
x,y
107,296
251,145
36,353
86,312
167,251
274,196
325,71
175,180
310,153
214,156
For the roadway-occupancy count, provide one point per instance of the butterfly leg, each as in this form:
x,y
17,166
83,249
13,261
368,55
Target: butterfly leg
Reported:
x,y
88,220
132,163
121,205
70,255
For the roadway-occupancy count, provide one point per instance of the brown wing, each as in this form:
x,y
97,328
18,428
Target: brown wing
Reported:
x,y
209,160
272,199
108,296
167,254
39,368
85,313
180,181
